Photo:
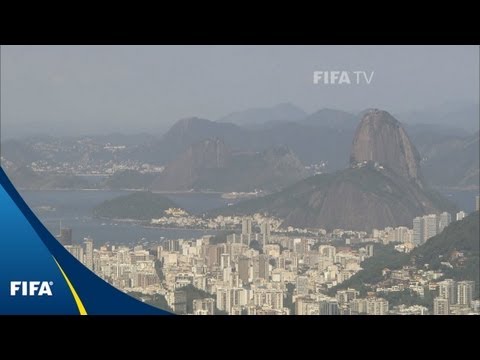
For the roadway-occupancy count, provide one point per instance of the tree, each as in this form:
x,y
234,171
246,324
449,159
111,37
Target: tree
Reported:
x,y
255,245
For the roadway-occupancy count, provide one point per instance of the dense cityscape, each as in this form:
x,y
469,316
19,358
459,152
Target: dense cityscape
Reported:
x,y
200,190
258,268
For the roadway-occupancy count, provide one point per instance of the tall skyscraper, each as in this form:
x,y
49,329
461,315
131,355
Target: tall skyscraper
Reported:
x,y
265,231
418,228
460,215
263,267
178,302
233,239
446,290
225,261
377,306
246,226
445,220
243,268
329,307
401,234
345,296
441,306
465,290
430,226
328,251
88,253
302,285
245,239
224,299
204,306
306,306
369,249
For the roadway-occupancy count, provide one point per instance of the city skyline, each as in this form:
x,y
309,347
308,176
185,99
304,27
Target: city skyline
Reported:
x,y
255,180
238,278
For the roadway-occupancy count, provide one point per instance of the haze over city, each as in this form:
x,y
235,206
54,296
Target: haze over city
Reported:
x,y
256,180
71,90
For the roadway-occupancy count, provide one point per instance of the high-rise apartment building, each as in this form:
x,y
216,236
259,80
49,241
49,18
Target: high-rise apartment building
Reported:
x,y
465,291
377,306
369,248
302,285
76,251
329,307
243,268
178,302
446,290
401,234
441,306
224,300
430,226
418,230
88,257
246,226
263,267
204,306
460,215
445,220
265,232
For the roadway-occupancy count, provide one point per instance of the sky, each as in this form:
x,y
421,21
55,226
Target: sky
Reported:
x,y
131,89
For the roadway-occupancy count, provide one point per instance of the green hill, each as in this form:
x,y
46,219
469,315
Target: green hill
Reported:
x,y
137,206
359,198
459,237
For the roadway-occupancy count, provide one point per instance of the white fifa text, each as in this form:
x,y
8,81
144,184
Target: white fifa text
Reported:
x,y
31,288
343,77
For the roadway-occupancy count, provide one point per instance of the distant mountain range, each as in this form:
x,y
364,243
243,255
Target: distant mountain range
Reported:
x,y
323,138
211,165
462,115
453,162
25,178
383,186
314,139
258,116
333,119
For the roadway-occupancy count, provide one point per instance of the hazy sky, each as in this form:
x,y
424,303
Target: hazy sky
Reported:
x,y
88,89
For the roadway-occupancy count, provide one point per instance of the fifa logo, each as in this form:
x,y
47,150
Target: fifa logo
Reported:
x,y
342,77
31,288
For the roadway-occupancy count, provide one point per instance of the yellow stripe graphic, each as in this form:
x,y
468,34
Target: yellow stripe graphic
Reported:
x,y
79,303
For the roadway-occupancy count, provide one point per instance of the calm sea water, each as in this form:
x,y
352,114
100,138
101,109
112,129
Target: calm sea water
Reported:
x,y
73,208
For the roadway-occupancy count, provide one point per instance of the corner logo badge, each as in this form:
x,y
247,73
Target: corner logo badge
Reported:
x,y
342,77
31,288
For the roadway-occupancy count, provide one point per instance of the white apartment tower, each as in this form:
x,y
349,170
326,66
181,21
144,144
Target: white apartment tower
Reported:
x,y
430,226
461,215
246,226
88,257
418,227
446,290
465,290
441,306
445,220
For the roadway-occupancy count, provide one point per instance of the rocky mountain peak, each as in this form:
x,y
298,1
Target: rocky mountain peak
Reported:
x,y
380,138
